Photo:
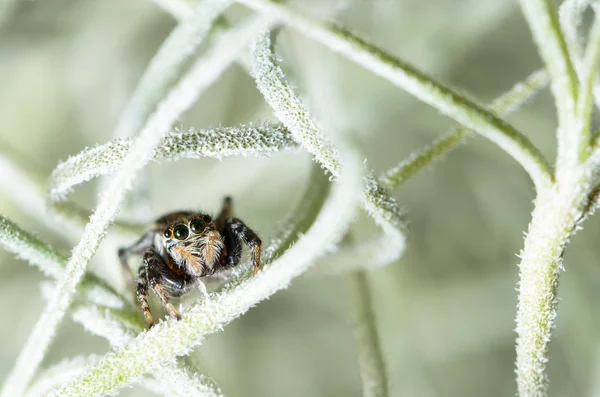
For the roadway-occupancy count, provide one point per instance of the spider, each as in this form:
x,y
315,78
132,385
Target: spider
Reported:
x,y
182,247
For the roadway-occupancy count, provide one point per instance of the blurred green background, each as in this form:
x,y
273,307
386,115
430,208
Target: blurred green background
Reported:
x,y
445,311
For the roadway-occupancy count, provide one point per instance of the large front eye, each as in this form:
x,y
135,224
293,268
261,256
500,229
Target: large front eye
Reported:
x,y
181,232
197,226
168,233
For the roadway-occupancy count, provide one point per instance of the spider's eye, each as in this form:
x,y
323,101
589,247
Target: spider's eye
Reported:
x,y
168,233
181,232
197,226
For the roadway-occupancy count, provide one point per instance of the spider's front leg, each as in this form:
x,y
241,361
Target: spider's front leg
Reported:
x,y
150,274
144,243
142,293
247,235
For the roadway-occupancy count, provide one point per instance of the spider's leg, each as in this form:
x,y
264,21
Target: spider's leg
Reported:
x,y
163,295
156,269
233,248
142,293
226,212
144,243
247,235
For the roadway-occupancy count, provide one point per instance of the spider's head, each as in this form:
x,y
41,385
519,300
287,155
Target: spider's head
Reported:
x,y
193,242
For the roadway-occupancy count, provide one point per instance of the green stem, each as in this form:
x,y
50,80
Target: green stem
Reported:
x,y
370,358
503,105
585,100
554,219
553,50
423,87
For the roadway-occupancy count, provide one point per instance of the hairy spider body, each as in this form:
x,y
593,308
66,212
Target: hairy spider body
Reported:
x,y
182,247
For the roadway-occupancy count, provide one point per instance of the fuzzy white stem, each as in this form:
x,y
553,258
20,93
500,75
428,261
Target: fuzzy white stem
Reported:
x,y
570,15
585,100
27,247
174,379
245,140
172,338
57,375
166,64
288,108
554,219
201,75
423,87
551,45
28,193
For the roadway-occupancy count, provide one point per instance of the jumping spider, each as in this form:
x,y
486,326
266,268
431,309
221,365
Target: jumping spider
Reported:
x,y
184,246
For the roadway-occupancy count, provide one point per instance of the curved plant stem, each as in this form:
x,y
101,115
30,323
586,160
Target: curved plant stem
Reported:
x,y
245,140
31,249
172,338
201,74
58,374
553,50
288,107
370,358
423,87
503,105
176,379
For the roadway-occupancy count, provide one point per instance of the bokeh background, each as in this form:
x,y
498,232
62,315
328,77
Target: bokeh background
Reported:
x,y
445,311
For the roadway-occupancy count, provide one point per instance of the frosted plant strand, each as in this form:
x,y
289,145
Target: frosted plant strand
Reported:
x,y
220,142
67,219
200,76
172,338
28,193
52,262
553,50
504,105
181,382
570,15
31,249
423,87
583,119
167,63
58,374
174,379
555,217
289,109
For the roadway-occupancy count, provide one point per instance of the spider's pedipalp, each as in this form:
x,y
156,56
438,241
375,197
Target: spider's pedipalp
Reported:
x,y
247,235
